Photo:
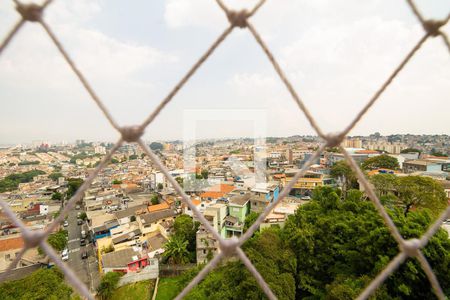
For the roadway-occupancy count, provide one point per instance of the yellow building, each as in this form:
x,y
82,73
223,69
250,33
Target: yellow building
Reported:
x,y
307,183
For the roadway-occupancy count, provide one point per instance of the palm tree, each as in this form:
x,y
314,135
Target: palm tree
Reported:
x,y
176,250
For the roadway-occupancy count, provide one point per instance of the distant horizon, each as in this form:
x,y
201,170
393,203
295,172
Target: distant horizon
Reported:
x,y
4,145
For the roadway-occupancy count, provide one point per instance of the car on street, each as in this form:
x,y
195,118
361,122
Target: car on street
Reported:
x,y
79,221
65,254
66,223
77,207
84,254
82,242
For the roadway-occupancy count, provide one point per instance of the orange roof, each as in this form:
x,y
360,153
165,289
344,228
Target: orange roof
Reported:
x,y
11,244
196,202
279,176
157,207
217,191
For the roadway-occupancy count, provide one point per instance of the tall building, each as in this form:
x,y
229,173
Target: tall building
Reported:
x,y
352,143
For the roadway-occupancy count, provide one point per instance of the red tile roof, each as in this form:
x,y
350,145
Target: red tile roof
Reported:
x,y
11,244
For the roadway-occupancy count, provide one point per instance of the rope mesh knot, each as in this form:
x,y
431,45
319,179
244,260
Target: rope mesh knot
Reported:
x,y
411,247
229,246
32,239
30,12
433,26
131,134
238,18
334,139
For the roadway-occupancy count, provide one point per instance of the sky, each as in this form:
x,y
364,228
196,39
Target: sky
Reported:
x,y
336,53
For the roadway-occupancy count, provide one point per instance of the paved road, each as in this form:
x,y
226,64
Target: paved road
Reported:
x,y
85,269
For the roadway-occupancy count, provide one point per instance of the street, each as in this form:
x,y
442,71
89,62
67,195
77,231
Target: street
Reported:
x,y
85,269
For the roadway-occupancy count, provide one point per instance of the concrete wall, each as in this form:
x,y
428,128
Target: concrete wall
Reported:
x,y
149,272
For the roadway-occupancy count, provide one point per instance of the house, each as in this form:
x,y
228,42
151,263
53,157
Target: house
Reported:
x,y
151,222
216,214
154,245
261,197
424,165
124,261
125,216
239,208
306,183
103,230
201,205
206,245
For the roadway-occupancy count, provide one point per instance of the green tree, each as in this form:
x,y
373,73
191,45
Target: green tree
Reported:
x,y
250,219
155,199
384,184
133,157
160,186
83,216
11,182
57,240
114,161
107,285
57,196
342,171
73,185
175,250
410,150
380,161
117,181
270,255
155,146
421,192
180,180
39,285
438,153
205,173
55,175
343,244
185,228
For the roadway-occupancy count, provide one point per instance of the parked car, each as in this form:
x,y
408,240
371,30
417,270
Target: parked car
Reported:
x,y
66,223
78,215
84,254
79,221
65,254
82,242
77,207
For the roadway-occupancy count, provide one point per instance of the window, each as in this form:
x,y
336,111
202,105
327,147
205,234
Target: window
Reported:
x,y
7,257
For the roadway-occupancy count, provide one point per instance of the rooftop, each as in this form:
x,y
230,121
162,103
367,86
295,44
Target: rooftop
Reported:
x,y
119,259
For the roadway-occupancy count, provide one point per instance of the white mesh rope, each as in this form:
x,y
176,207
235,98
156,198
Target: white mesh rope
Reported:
x,y
228,247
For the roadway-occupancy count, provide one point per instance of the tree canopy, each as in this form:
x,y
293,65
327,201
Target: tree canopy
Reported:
x,y
380,161
55,175
11,182
185,228
342,171
175,250
41,284
107,285
410,150
73,185
409,192
156,146
331,248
